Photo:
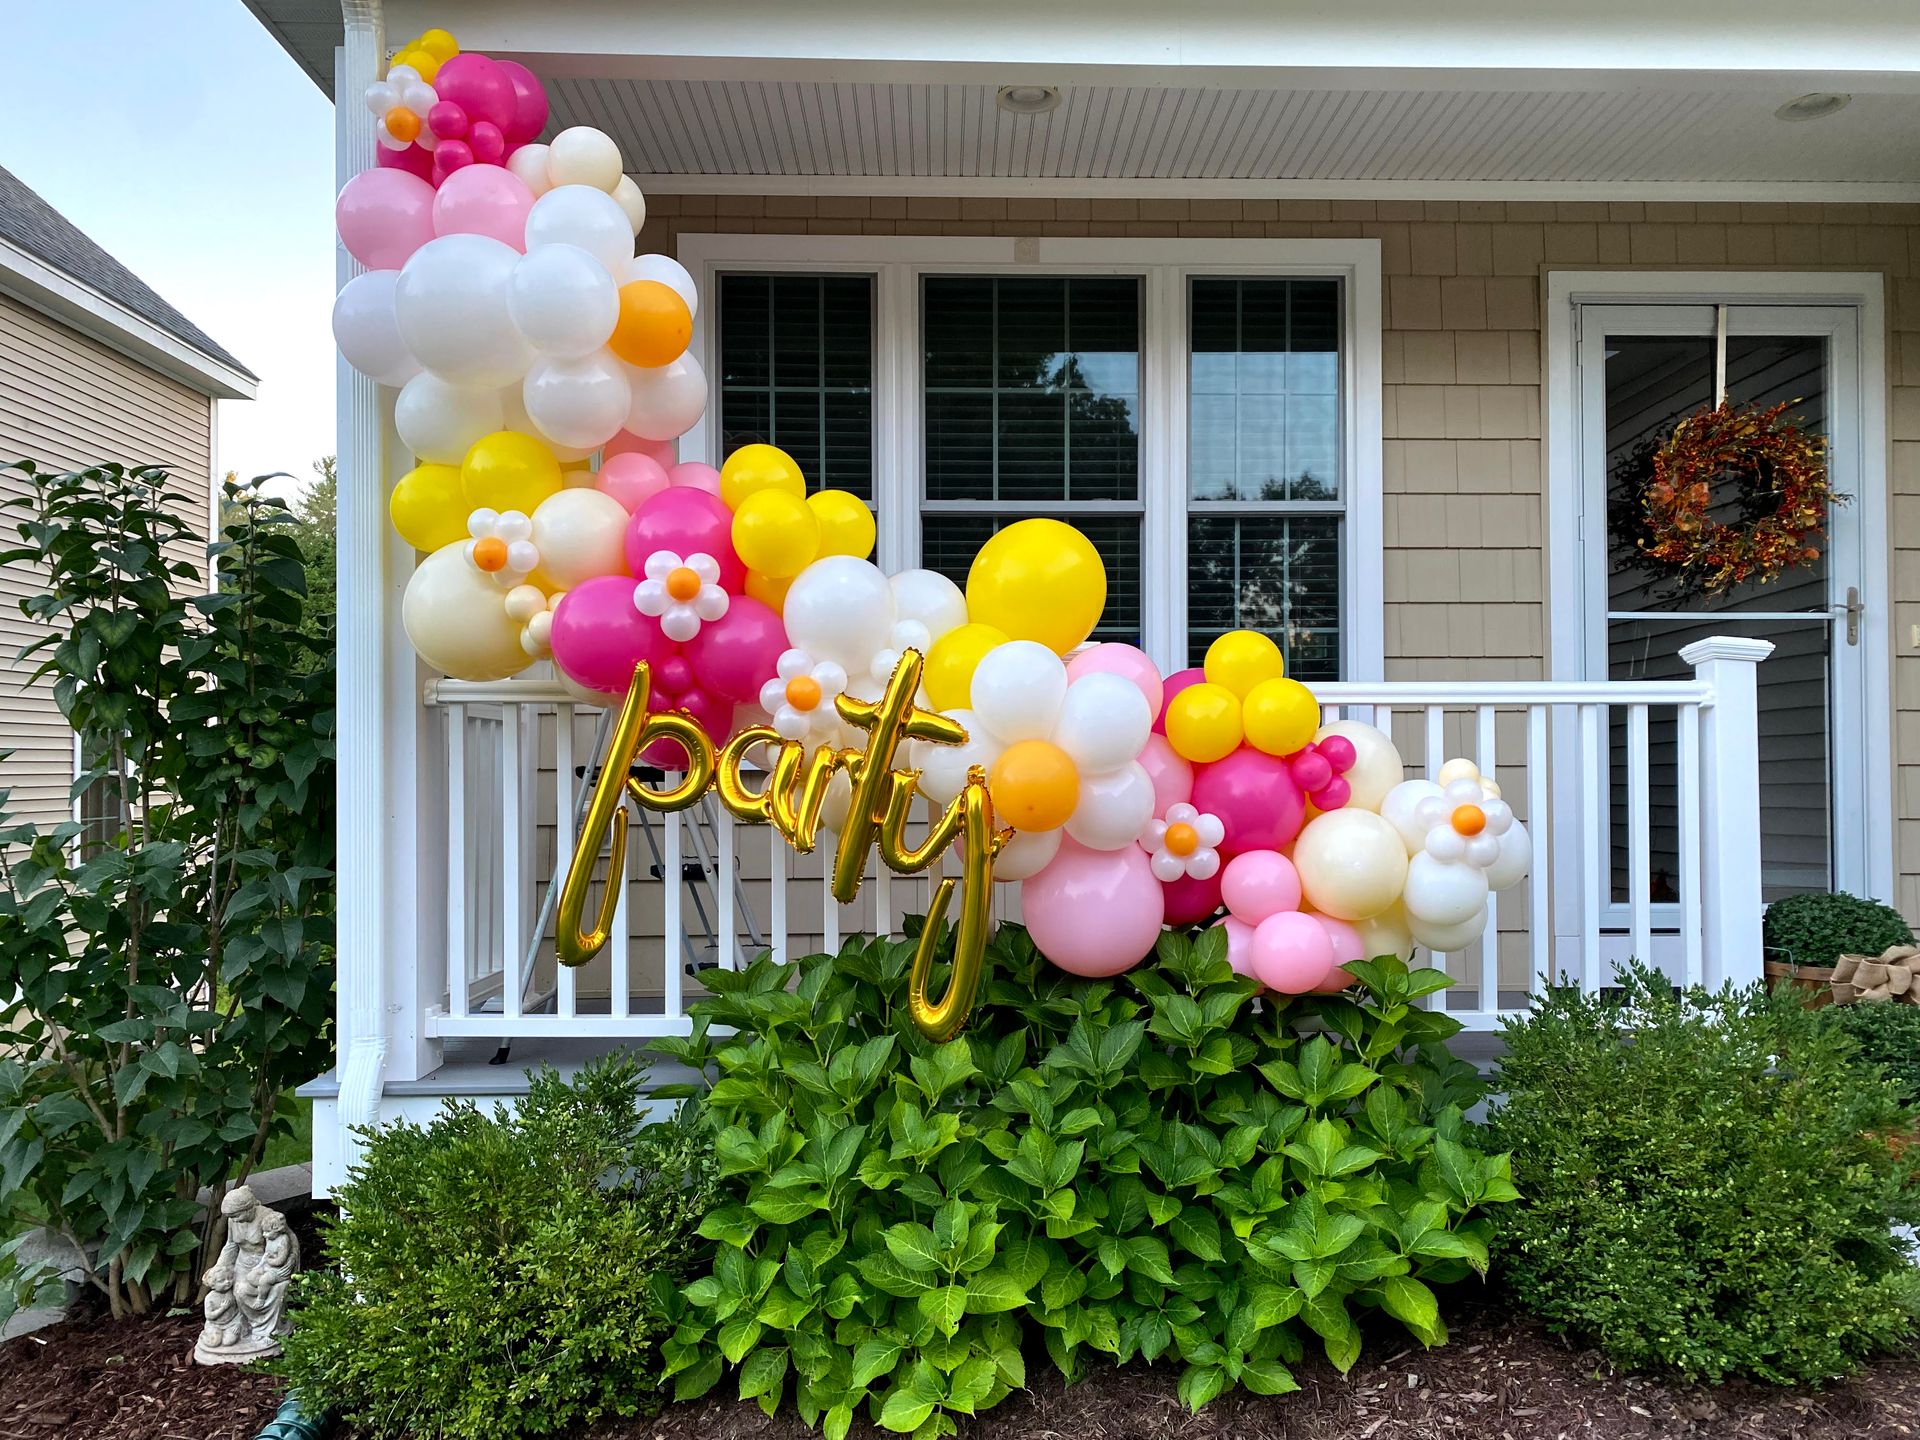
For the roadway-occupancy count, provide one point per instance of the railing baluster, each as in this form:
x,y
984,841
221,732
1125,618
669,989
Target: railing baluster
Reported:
x,y
1639,836
727,925
563,783
459,897
620,951
1436,739
777,879
1687,719
829,907
1539,880
513,886
1593,849
673,926
1490,938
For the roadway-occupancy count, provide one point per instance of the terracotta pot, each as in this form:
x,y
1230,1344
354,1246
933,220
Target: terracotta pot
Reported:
x,y
1814,981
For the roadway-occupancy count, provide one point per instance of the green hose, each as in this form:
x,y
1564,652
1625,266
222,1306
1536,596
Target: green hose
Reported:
x,y
292,1422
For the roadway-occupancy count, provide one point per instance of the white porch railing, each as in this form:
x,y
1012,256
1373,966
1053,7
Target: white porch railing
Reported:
x,y
518,753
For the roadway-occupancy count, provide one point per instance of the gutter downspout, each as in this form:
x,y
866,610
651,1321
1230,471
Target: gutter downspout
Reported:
x,y
360,523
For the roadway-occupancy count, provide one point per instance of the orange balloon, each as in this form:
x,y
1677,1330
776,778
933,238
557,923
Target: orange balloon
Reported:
x,y
654,325
1034,785
402,123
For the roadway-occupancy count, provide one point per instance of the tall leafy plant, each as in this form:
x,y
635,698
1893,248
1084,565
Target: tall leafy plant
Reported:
x,y
1152,1167
169,955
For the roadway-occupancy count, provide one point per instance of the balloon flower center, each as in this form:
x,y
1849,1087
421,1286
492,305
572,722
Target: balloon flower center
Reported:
x,y
402,123
1181,838
683,583
803,692
490,551
1469,819
1034,785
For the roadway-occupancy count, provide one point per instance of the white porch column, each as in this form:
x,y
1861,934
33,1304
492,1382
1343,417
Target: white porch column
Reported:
x,y
1730,805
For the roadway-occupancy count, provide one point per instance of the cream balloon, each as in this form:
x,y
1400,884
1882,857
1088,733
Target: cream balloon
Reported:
x,y
457,620
530,163
628,197
1516,855
667,271
439,421
1352,863
1447,939
667,401
1376,764
1386,933
1400,809
579,534
1443,892
582,155
1026,854
943,768
1112,808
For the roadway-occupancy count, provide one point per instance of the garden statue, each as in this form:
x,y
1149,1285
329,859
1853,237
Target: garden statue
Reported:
x,y
247,1287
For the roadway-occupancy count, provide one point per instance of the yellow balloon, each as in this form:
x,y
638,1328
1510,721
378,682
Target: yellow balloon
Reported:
x,y
439,44
1241,659
1038,580
1280,716
951,661
846,524
759,467
421,60
1203,722
769,590
508,471
775,534
427,507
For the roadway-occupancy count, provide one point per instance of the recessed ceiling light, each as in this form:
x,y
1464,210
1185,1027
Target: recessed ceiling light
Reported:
x,y
1028,99
1813,107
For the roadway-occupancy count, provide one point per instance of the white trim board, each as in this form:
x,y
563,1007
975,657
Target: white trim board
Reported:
x,y
897,262
1567,618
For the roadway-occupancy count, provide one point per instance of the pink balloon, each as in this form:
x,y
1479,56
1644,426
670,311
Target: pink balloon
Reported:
x,y
1259,885
447,121
693,475
449,157
709,712
1335,793
529,102
631,479
1094,912
667,452
687,522
483,200
1239,945
414,160
1311,770
736,654
598,637
1338,751
489,145
384,215
672,677
1128,662
479,85
1171,775
1170,687
1291,953
1254,795
1347,945
1189,901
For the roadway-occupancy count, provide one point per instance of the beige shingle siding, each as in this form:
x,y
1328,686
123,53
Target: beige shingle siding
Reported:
x,y
68,400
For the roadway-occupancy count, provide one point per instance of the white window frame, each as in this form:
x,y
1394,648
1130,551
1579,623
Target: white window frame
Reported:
x,y
1163,267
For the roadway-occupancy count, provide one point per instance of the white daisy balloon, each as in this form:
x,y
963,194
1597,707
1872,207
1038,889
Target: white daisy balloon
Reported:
x,y
1185,844
502,546
800,697
682,593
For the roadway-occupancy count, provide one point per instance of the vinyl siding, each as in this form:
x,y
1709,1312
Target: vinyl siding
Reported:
x,y
67,400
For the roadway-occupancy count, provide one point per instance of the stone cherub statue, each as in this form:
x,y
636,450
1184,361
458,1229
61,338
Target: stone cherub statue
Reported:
x,y
247,1286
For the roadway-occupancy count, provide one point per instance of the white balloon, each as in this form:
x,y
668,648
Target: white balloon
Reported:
x,y
514,406
1352,863
1018,689
439,421
529,162
1400,809
582,155
1113,808
663,270
1443,892
1516,854
627,195
564,301
840,609
1104,722
579,534
1026,854
457,619
451,301
668,401
581,215
943,768
923,595
367,330
578,403
1386,933
1376,764
1446,939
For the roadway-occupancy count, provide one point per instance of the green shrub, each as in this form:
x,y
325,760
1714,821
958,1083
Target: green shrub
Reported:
x,y
1704,1186
1150,1167
1888,1037
505,1274
1815,929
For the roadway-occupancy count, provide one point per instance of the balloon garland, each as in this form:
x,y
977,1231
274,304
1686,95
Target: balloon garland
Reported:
x,y
754,651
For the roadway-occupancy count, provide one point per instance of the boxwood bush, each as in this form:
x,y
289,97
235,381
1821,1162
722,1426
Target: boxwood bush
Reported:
x,y
1153,1167
1706,1186
1889,1039
1817,929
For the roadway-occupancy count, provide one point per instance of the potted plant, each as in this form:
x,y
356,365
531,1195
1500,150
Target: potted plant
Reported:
x,y
1805,934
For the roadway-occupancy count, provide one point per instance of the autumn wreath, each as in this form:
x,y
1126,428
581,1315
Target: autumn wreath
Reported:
x,y
1779,470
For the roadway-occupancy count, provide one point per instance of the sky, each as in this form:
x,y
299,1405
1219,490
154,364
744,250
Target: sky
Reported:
x,y
200,157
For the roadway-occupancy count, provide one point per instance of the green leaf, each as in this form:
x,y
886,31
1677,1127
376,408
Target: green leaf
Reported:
x,y
904,1410
738,1336
874,1358
764,1375
1414,1305
992,1291
1201,1384
1326,1314
1195,1229
914,1246
945,1306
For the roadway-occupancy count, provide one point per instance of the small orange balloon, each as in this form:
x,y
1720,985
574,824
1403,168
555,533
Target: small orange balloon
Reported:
x,y
402,123
1469,819
490,553
803,692
654,325
683,583
1034,786
1181,839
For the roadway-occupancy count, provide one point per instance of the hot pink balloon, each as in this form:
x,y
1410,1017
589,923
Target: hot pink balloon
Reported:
x,y
1094,912
384,215
1335,793
1291,953
667,452
1239,945
598,637
1170,687
686,522
1129,662
449,158
1189,901
631,479
483,200
709,712
693,475
529,102
489,145
1172,776
414,160
1338,751
1347,945
1311,770
672,677
1254,795
479,85
1259,884
736,654
447,121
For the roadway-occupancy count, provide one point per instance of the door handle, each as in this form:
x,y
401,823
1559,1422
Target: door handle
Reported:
x,y
1854,610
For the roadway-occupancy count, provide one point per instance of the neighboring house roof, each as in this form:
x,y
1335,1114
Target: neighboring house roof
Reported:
x,y
52,264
